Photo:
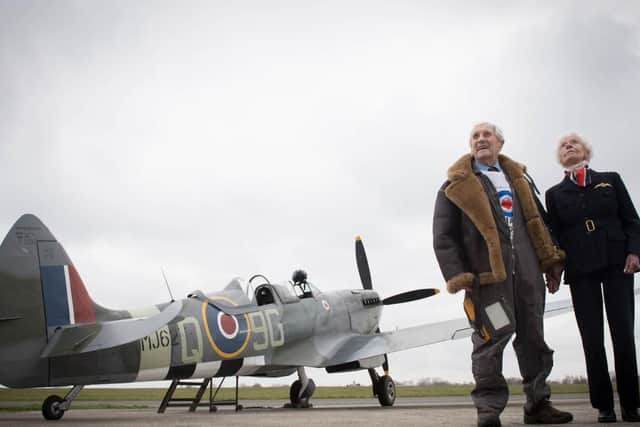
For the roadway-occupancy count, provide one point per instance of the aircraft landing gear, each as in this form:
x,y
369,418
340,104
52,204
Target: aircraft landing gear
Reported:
x,y
383,387
53,407
301,390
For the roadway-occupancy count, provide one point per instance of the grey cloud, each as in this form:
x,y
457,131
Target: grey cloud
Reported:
x,y
223,139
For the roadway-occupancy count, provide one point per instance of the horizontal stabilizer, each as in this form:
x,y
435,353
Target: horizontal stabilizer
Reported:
x,y
88,337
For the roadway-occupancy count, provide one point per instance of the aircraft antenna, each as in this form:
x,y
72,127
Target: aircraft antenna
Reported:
x,y
167,283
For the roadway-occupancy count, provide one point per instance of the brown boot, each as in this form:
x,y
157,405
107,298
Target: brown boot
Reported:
x,y
544,413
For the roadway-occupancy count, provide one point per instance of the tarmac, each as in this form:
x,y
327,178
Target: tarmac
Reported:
x,y
442,411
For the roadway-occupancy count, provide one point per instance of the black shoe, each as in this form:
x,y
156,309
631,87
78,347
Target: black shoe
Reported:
x,y
489,420
544,413
606,416
630,415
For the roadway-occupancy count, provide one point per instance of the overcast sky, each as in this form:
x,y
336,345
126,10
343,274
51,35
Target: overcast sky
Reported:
x,y
217,139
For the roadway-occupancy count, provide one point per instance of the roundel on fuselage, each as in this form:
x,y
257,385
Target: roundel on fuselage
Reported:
x,y
227,334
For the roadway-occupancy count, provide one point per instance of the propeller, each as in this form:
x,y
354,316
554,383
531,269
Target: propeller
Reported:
x,y
410,296
365,278
363,265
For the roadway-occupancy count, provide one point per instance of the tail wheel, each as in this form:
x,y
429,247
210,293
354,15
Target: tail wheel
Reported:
x,y
386,391
51,408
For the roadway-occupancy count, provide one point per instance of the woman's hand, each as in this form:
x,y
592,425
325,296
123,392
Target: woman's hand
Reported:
x,y
632,265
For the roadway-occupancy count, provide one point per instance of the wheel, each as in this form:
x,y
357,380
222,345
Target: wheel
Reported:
x,y
311,388
386,391
51,408
294,393
298,401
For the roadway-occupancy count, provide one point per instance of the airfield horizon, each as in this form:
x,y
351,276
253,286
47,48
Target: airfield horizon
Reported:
x,y
261,393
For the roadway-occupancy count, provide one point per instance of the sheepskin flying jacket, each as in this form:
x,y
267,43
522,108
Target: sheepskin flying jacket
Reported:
x,y
470,235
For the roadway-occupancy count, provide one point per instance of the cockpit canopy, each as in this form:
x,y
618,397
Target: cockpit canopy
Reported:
x,y
265,292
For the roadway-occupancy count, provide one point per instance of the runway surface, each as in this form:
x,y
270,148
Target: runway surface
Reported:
x,y
440,411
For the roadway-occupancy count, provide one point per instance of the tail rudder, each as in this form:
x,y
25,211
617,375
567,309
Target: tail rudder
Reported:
x,y
40,289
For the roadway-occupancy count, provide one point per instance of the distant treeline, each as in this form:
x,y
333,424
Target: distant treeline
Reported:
x,y
569,379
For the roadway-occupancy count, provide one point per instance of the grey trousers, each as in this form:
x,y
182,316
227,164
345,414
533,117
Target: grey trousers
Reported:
x,y
535,358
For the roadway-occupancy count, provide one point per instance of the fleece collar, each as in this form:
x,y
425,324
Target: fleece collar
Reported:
x,y
467,193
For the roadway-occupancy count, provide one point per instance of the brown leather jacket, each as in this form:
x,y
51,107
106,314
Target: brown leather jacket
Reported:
x,y
471,238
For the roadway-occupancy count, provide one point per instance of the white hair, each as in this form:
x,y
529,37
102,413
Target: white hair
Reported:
x,y
496,130
588,151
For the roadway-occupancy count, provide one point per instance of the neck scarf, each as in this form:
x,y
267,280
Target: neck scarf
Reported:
x,y
579,174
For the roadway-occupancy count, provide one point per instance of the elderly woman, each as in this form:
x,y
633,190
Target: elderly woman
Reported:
x,y
599,229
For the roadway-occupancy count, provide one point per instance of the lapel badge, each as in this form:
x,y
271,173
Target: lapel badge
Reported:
x,y
603,185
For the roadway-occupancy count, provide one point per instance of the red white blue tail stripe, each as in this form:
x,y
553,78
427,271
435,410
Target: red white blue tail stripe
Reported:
x,y
66,300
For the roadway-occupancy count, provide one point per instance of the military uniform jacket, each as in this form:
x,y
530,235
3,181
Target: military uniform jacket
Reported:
x,y
596,225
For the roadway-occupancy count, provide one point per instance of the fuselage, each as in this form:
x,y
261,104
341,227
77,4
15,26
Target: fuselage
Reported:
x,y
203,341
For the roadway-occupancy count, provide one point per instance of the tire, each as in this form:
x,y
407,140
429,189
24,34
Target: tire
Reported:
x,y
386,391
51,408
311,388
298,401
294,393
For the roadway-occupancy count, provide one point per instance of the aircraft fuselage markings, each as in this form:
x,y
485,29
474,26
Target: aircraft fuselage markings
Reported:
x,y
273,316
213,327
259,327
155,355
159,338
191,351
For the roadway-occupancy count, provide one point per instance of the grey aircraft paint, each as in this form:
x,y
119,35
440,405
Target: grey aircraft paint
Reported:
x,y
51,329
54,334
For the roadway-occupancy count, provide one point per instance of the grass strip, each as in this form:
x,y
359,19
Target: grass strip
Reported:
x,y
257,393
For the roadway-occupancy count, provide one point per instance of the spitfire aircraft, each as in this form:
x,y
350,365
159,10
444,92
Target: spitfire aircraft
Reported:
x,y
54,334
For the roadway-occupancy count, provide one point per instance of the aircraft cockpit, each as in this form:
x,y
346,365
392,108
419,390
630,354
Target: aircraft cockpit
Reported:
x,y
288,292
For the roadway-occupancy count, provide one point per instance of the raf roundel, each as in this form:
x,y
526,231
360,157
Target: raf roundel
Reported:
x,y
228,325
228,334
506,202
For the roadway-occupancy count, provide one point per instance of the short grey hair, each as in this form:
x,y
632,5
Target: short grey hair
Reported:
x,y
496,130
588,151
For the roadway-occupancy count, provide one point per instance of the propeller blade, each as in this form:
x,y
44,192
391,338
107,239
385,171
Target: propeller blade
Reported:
x,y
363,265
410,296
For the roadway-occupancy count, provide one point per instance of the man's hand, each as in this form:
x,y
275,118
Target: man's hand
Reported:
x,y
553,284
553,276
632,265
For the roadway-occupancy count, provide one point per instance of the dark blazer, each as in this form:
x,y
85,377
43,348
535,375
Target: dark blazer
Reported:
x,y
596,225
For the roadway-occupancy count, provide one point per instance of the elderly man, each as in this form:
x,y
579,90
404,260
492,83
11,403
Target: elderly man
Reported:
x,y
491,241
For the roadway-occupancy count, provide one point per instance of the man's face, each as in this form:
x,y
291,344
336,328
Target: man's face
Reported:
x,y
485,146
570,151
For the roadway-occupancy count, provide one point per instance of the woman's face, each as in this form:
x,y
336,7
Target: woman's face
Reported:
x,y
570,151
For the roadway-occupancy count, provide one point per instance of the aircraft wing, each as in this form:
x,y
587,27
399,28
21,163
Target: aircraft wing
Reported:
x,y
328,350
88,337
564,306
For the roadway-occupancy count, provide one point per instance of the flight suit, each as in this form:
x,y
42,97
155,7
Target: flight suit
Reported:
x,y
474,248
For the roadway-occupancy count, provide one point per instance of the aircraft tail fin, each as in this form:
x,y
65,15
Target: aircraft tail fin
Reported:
x,y
64,296
40,289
